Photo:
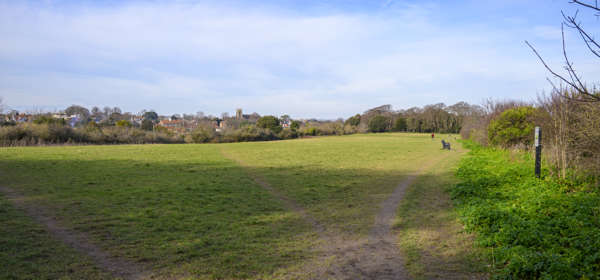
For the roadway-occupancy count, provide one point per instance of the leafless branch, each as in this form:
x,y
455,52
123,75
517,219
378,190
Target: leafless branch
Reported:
x,y
594,7
571,21
572,83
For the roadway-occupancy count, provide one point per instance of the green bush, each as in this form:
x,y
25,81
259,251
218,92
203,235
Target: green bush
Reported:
x,y
295,125
379,124
203,135
513,127
287,134
353,121
147,124
311,131
248,133
400,124
123,123
269,122
49,120
538,228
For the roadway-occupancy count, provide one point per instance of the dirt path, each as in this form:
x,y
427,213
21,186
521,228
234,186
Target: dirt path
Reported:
x,y
119,268
374,257
378,256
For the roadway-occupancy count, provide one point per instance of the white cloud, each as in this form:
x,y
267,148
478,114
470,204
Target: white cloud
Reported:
x,y
181,57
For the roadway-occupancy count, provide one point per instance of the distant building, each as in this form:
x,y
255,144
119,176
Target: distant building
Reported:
x,y
137,119
22,118
178,125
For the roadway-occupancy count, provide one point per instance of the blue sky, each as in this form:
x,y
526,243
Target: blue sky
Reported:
x,y
323,59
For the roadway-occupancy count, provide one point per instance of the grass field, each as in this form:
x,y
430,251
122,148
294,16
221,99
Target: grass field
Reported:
x,y
197,211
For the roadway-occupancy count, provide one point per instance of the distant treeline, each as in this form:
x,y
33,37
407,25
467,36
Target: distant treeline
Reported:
x,y
77,124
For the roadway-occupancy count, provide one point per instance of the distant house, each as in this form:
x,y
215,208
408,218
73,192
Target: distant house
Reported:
x,y
73,121
22,118
171,123
137,120
178,125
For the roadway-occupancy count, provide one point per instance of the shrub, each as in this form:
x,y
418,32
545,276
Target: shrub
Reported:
x,y
203,135
295,125
248,133
310,131
123,123
288,134
269,122
353,121
513,127
400,124
379,124
43,119
147,124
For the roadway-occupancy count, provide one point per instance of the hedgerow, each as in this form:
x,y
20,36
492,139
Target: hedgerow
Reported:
x,y
538,228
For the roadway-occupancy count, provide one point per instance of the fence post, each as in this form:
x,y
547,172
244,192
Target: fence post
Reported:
x,y
538,151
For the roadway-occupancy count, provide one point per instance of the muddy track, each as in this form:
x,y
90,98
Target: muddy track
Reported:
x,y
81,242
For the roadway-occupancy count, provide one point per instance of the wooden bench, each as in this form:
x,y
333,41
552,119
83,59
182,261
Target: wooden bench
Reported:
x,y
445,145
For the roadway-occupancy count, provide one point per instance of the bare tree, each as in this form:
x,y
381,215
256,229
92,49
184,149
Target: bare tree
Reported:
x,y
572,78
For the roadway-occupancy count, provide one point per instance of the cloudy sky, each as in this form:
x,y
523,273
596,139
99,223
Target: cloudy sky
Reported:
x,y
318,58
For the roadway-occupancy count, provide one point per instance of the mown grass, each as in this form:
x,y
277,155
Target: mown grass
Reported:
x,y
430,235
188,211
537,228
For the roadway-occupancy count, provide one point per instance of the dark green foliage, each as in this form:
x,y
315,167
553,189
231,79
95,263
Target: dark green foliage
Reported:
x,y
546,229
78,110
400,124
379,124
269,122
311,131
353,121
513,127
249,133
295,125
203,135
147,124
287,134
49,120
153,116
7,123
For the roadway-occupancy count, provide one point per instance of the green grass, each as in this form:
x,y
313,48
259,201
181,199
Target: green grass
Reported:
x,y
538,229
429,232
340,180
188,211
28,252
184,209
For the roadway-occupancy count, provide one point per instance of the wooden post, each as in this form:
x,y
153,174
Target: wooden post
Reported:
x,y
538,151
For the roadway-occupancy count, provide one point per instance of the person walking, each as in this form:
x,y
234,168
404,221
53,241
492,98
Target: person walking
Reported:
x,y
432,136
